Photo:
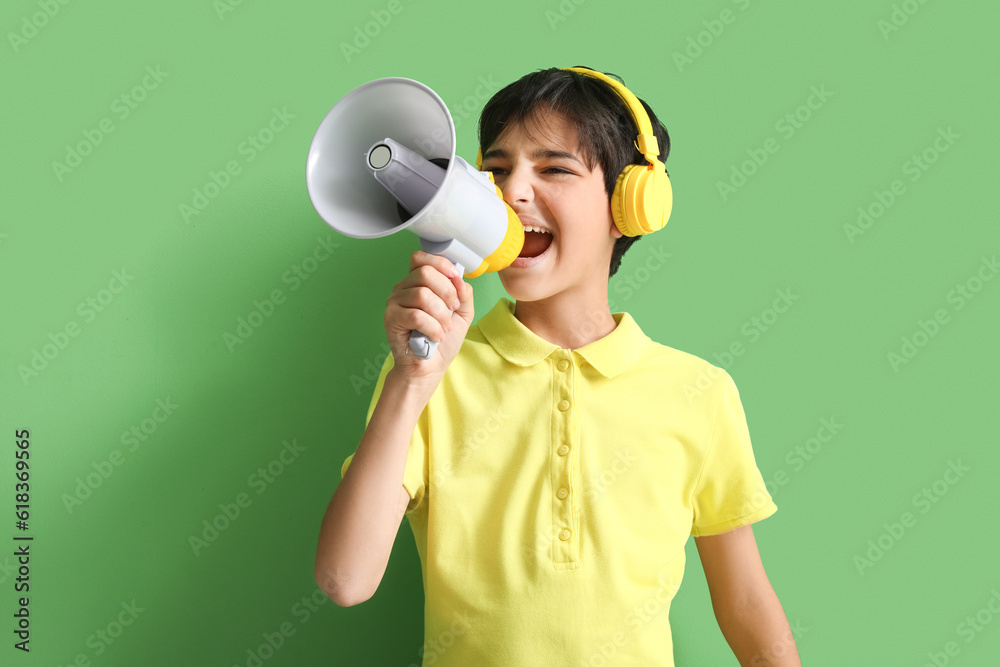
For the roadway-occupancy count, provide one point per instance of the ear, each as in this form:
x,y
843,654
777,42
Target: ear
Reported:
x,y
617,233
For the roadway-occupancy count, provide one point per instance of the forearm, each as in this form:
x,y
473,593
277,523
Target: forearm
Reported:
x,y
363,517
758,632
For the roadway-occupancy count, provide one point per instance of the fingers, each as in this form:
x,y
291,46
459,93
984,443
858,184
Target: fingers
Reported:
x,y
415,318
429,294
442,264
425,313
439,275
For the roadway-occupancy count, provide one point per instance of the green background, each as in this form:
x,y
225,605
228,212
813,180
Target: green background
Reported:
x,y
301,375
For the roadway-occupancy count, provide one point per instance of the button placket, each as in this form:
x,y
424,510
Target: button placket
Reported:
x,y
564,436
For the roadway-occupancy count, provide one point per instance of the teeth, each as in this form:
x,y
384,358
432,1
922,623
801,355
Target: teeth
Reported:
x,y
531,228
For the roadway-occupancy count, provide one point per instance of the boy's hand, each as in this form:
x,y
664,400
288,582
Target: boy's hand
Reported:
x,y
423,301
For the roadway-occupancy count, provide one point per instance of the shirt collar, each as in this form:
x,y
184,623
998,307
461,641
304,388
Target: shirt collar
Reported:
x,y
521,346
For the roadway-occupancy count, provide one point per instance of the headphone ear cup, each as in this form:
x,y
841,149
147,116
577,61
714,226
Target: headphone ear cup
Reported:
x,y
619,209
642,200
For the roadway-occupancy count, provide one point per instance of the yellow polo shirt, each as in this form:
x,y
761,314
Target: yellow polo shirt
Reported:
x,y
553,491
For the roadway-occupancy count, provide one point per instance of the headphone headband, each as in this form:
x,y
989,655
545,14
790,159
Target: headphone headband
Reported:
x,y
646,141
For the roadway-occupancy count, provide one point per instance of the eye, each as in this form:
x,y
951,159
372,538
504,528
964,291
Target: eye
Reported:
x,y
500,171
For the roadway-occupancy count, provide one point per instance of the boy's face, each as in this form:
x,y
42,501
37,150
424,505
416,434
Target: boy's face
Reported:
x,y
560,194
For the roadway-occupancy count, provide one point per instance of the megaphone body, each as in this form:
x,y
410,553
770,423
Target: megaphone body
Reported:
x,y
383,160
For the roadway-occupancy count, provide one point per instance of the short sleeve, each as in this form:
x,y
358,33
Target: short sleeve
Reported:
x,y
730,492
415,474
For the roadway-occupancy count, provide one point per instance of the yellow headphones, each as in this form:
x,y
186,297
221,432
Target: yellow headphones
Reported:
x,y
642,198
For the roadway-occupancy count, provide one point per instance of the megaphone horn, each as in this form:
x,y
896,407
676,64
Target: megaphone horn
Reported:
x,y
383,160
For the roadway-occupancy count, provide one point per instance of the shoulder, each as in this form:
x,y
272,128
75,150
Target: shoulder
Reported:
x,y
683,366
681,375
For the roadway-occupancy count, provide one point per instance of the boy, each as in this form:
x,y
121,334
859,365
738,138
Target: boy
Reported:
x,y
552,477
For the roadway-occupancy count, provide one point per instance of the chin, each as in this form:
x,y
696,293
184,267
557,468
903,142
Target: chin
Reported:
x,y
522,288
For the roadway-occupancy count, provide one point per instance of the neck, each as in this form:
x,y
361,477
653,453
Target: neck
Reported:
x,y
569,321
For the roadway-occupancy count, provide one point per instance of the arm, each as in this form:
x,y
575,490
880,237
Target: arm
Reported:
x,y
746,606
364,515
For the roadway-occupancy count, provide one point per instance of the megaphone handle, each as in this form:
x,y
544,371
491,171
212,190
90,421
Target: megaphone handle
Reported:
x,y
421,346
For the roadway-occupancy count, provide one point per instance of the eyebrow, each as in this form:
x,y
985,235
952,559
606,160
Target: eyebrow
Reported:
x,y
540,154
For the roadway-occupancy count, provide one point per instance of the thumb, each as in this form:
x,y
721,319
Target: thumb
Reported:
x,y
466,308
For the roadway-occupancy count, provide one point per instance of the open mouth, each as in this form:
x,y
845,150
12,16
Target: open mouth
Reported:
x,y
535,243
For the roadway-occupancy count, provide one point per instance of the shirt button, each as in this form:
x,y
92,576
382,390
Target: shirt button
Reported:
x,y
564,450
563,405
564,535
563,365
562,493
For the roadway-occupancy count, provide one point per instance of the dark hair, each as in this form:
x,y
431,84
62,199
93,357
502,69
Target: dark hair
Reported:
x,y
604,125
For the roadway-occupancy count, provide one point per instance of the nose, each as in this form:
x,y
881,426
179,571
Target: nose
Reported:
x,y
516,186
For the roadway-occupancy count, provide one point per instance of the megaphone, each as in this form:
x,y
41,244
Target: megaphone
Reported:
x,y
383,160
